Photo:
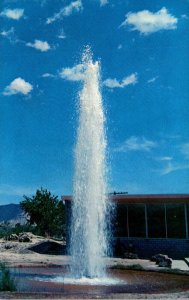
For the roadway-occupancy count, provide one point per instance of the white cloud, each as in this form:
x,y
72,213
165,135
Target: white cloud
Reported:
x,y
14,14
184,16
10,35
132,79
73,74
171,167
39,45
148,22
62,34
165,158
8,32
153,79
136,144
103,2
114,83
76,73
18,86
48,75
119,46
66,11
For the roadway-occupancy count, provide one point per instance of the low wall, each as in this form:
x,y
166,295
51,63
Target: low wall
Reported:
x,y
145,248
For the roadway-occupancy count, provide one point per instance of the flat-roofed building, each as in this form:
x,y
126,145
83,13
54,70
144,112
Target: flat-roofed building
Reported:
x,y
152,223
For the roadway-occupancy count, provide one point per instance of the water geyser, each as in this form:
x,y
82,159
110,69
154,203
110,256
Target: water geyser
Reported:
x,y
89,207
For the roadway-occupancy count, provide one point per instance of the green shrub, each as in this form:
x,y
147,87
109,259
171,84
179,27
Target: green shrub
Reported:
x,y
6,282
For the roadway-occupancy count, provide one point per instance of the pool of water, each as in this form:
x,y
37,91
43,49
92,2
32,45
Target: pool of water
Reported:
x,y
58,280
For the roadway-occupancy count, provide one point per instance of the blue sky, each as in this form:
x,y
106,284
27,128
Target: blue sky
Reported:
x,y
143,47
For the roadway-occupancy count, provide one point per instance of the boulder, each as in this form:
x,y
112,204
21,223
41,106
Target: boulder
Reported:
x,y
166,263
24,237
12,237
8,246
130,255
162,260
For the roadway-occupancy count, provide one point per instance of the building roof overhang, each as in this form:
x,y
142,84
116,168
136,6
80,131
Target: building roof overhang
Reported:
x,y
144,198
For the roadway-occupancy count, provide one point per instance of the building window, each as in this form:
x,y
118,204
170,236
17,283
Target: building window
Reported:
x,y
121,221
156,220
136,218
175,221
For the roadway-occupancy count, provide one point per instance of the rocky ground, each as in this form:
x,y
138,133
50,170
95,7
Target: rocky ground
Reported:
x,y
15,253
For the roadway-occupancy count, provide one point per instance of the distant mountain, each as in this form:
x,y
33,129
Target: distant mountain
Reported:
x,y
11,213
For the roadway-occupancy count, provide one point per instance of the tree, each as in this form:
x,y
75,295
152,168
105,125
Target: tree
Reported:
x,y
46,212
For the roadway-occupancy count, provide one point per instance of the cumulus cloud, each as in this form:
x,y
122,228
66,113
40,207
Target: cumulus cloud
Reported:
x,y
18,86
114,83
42,46
14,14
73,74
136,144
66,11
103,2
147,22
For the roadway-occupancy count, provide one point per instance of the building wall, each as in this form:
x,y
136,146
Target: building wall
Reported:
x,y
153,227
68,225
146,248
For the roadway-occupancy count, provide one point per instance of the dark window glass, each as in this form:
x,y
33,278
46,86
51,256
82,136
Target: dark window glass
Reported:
x,y
175,221
121,221
156,220
136,216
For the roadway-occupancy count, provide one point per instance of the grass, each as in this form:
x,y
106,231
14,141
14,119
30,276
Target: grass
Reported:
x,y
6,282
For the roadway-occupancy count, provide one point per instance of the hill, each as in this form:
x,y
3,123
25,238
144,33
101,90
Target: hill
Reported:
x,y
11,213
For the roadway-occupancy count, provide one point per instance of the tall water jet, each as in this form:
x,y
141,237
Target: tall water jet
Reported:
x,y
88,228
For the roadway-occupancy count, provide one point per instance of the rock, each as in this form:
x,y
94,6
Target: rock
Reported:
x,y
12,237
166,263
8,246
130,255
162,260
24,237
